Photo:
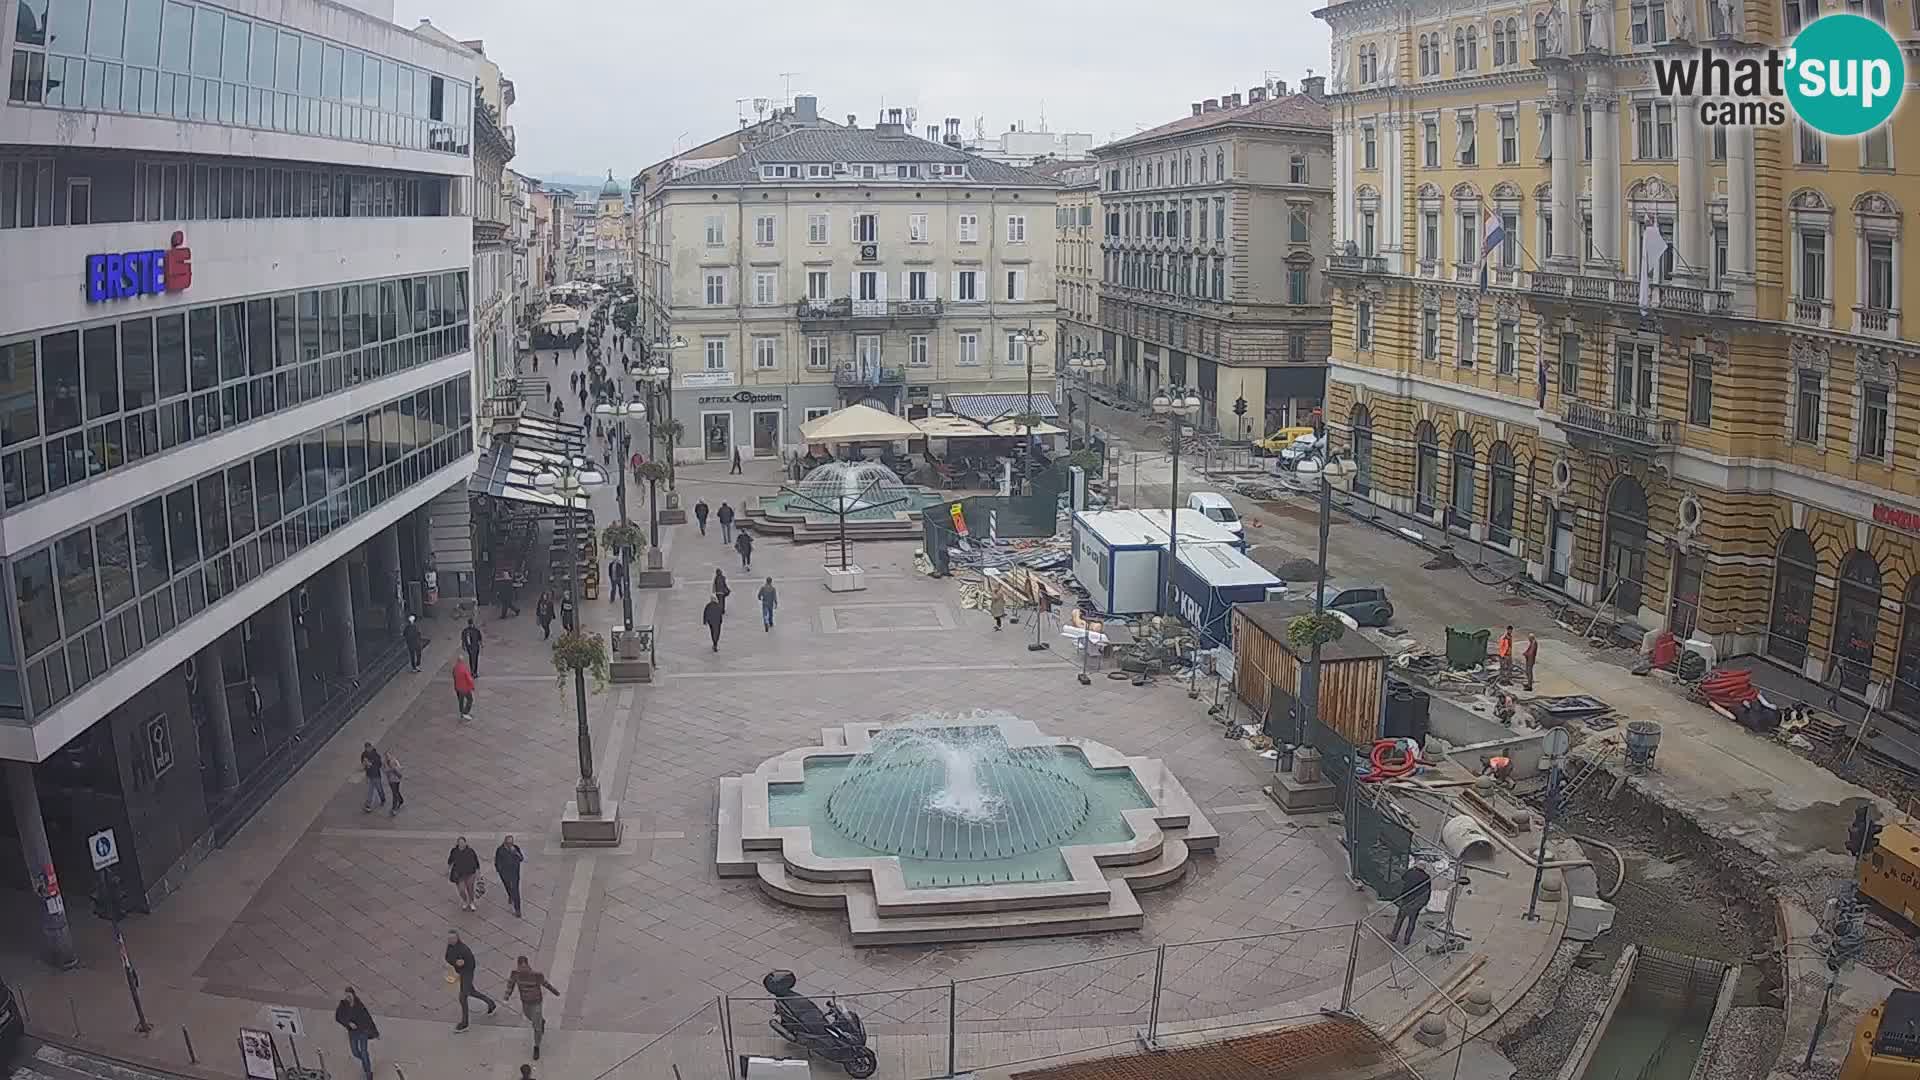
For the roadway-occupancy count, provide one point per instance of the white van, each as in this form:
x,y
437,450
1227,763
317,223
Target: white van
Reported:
x,y
1217,509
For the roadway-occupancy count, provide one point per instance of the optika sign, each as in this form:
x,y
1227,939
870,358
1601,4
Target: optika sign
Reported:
x,y
1894,517
140,273
1843,76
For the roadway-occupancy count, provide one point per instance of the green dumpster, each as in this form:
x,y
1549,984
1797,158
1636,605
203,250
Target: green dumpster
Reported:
x,y
1466,648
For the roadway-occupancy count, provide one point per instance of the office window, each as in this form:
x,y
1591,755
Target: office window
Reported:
x,y
1469,249
1811,148
968,228
1430,236
1016,351
716,287
966,287
1468,130
1648,19
1875,417
867,285
1507,347
1879,273
1700,392
1809,402
1016,229
866,228
819,357
1363,324
1509,139
763,287
1300,224
1297,169
1570,364
1813,265
918,354
817,227
1509,240
1429,334
917,228
968,352
817,285
1368,232
763,230
716,354
1876,147
1016,284
766,356
1369,149
1297,285
716,230
1430,143
1466,340
1633,377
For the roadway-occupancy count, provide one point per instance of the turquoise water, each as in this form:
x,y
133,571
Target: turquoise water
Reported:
x,y
911,501
1040,800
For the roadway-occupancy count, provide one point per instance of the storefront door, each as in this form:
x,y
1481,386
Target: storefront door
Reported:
x,y
1794,570
1560,548
1906,666
1624,569
766,432
1856,621
1683,615
716,434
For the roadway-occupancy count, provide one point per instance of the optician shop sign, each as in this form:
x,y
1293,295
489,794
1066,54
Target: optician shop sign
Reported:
x,y
1895,517
128,274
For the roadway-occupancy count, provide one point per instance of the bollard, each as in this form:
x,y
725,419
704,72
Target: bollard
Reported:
x,y
398,1073
187,1037
75,1011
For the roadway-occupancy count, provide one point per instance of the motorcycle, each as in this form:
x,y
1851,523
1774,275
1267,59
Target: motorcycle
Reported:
x,y
835,1034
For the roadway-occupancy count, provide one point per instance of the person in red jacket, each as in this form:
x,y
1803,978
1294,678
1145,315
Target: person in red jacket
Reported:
x,y
463,687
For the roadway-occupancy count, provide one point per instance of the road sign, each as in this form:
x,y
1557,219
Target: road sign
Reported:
x,y
285,1019
1556,742
104,850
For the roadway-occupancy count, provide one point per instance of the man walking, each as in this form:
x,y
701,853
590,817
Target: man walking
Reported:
x,y
613,580
1505,651
460,958
1416,888
532,986
375,770
712,616
769,599
352,1014
506,862
743,544
726,522
1529,658
735,471
416,643
463,688
700,515
470,640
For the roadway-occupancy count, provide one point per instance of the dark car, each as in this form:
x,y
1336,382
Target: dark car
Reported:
x,y
1365,603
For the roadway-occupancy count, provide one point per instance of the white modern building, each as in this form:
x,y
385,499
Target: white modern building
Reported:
x,y
234,367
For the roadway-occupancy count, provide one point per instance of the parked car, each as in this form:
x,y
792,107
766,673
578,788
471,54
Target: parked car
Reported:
x,y
1215,507
1365,603
1281,439
1305,447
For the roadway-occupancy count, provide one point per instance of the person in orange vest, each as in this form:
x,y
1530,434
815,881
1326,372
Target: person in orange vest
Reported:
x,y
1506,653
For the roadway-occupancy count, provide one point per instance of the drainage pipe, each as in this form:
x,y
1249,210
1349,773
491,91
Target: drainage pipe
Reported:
x,y
1496,835
1621,879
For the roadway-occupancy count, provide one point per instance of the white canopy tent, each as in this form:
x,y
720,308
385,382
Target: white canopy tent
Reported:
x,y
858,423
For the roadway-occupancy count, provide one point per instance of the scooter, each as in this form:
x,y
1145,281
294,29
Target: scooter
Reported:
x,y
835,1035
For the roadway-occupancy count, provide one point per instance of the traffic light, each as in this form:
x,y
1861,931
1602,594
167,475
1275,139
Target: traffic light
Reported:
x,y
1864,833
1240,406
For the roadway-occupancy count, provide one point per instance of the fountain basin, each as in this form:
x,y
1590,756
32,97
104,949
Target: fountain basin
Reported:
x,y
878,504
1052,837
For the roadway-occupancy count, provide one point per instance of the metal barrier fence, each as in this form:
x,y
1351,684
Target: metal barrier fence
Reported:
x,y
693,1049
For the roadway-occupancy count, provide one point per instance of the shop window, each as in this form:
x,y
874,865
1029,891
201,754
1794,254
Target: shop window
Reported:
x,y
1906,668
1362,422
1796,569
1463,467
1426,473
1856,622
1624,571
1500,488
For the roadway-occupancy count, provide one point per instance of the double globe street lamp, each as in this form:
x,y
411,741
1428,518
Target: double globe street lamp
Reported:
x,y
1086,367
661,374
1179,407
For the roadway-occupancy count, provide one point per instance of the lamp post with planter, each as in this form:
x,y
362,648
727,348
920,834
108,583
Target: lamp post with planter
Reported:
x,y
661,353
1086,366
1028,339
1178,406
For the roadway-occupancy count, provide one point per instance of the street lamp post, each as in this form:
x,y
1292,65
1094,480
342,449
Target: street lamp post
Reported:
x,y
663,350
617,413
583,823
1086,366
1028,339
654,381
1177,406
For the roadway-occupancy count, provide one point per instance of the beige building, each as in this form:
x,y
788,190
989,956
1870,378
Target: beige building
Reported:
x,y
1728,451
838,265
1216,228
1076,255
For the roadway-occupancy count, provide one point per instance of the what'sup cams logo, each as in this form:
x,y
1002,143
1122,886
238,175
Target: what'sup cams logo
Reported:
x,y
1843,75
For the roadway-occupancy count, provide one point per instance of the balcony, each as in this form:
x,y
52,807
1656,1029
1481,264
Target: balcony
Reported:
x,y
1617,431
1871,321
850,312
1625,292
1357,265
851,375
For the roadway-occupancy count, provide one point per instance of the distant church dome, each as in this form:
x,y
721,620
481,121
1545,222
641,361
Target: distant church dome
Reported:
x,y
612,189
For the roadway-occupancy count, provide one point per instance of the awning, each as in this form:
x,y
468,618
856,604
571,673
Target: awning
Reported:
x,y
858,423
1011,429
987,408
950,427
545,431
508,473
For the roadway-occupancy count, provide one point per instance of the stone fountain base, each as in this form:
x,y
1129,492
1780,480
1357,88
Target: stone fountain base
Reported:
x,y
883,910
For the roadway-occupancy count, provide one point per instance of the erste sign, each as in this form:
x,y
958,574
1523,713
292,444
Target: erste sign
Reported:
x,y
140,273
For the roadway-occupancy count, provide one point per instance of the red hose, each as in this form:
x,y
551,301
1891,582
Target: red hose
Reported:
x,y
1384,771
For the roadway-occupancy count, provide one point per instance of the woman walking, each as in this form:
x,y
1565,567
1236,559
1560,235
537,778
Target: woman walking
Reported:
x,y
463,688
543,614
394,776
721,590
463,865
351,1013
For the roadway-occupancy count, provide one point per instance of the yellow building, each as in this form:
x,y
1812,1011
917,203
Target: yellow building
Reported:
x,y
1728,451
1076,255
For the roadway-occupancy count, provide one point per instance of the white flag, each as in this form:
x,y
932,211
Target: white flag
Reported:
x,y
1653,248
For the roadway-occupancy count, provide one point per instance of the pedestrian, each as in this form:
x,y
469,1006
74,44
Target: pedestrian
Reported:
x,y
743,544
1505,650
1529,658
559,409
735,471
460,959
714,613
506,862
463,865
393,778
351,1013
526,1072
375,771
721,590
536,363
416,644
1416,887
769,599
463,687
567,620
725,515
700,515
996,606
470,640
532,985
543,614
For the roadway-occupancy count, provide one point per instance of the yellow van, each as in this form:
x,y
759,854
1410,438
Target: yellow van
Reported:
x,y
1282,439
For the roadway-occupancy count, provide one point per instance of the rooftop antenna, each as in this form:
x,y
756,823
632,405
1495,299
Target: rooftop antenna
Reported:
x,y
980,128
786,88
760,108
1043,114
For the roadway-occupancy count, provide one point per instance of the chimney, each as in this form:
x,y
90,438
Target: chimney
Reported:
x,y
1314,86
806,109
1256,95
933,132
953,132
1196,108
852,120
891,124
1210,105
1279,88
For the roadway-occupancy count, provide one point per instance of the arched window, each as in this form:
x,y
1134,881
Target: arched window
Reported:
x,y
1459,51
1426,467
1499,45
1188,178
1362,422
1425,41
1500,487
1856,620
1463,466
1473,48
1540,35
1625,563
1906,665
1795,569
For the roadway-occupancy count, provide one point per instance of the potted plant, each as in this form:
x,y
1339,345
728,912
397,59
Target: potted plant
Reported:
x,y
623,534
668,433
574,651
1304,632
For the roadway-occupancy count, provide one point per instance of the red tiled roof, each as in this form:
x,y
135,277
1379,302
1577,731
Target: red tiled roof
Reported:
x,y
1294,110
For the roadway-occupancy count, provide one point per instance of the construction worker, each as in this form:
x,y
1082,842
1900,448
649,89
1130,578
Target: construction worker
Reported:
x,y
1506,654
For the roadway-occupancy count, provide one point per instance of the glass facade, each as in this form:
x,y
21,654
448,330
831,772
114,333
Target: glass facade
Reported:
x,y
98,595
84,400
194,62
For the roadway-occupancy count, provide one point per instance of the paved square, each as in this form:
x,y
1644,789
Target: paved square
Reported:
x,y
883,618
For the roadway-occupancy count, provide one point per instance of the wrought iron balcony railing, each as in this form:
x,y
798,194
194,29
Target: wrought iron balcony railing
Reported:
x,y
1647,432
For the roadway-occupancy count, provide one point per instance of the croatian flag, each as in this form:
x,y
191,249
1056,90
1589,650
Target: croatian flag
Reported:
x,y
1496,236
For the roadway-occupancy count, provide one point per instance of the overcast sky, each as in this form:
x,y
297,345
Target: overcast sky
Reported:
x,y
608,85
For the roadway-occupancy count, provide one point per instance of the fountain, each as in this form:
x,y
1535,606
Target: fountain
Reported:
x,y
941,827
836,482
876,502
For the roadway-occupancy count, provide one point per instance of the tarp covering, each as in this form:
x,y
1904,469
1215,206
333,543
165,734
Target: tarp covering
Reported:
x,y
858,423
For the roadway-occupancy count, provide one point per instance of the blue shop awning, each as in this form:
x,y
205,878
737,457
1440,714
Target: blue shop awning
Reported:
x,y
987,408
